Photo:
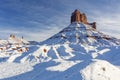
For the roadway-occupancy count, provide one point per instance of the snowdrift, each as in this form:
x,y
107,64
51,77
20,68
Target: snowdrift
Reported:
x,y
77,52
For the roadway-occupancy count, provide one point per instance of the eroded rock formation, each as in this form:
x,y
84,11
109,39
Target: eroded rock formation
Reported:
x,y
78,17
93,25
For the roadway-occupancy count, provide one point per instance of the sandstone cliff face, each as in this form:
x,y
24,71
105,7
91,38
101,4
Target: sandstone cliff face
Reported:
x,y
78,17
84,18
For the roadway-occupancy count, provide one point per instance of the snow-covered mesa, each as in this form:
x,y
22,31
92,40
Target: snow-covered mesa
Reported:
x,y
78,52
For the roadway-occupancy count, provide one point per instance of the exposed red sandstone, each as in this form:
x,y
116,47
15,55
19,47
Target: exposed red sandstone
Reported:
x,y
78,17
93,25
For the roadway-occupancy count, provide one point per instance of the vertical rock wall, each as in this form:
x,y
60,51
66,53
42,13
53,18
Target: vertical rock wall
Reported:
x,y
81,17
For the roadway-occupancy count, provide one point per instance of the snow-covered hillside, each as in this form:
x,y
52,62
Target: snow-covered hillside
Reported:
x,y
78,52
84,34
12,46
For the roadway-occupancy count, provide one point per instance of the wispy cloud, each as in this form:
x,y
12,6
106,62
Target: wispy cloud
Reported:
x,y
108,22
43,35
35,34
40,19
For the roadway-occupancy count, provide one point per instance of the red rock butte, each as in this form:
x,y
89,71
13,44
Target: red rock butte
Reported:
x,y
79,17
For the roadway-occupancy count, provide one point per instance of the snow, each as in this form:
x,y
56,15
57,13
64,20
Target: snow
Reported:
x,y
77,52
3,42
104,51
95,54
64,65
13,57
57,54
101,70
69,50
13,69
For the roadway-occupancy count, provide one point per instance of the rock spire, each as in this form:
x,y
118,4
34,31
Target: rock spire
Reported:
x,y
78,17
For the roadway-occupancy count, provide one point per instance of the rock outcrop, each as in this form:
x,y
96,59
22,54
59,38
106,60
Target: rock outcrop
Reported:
x,y
78,17
93,25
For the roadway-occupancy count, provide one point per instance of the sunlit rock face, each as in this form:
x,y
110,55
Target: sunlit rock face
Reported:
x,y
78,17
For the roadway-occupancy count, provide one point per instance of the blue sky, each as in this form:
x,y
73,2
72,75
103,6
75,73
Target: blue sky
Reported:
x,y
40,19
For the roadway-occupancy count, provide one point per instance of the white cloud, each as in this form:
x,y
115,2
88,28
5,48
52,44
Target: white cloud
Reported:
x,y
107,22
44,27
31,35
116,35
43,35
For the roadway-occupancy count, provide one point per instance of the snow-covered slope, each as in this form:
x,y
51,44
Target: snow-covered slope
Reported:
x,y
82,33
101,70
11,47
78,52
